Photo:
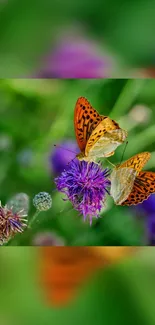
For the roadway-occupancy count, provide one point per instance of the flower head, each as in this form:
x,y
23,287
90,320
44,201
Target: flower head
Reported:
x,y
147,207
19,202
47,239
146,210
75,56
85,185
42,201
11,223
62,155
151,230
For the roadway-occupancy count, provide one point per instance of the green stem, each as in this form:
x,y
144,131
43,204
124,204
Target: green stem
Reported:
x,y
127,97
33,219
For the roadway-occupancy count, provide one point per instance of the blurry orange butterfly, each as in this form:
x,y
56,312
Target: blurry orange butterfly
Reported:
x,y
97,135
129,184
64,269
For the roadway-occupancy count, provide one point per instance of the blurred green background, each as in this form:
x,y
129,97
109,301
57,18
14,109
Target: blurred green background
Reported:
x,y
29,31
35,115
121,294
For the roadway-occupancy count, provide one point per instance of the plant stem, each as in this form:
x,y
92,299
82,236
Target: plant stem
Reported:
x,y
33,219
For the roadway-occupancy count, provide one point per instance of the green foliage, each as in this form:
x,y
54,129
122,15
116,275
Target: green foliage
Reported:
x,y
28,30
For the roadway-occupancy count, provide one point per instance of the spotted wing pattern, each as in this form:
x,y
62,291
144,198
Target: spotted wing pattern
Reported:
x,y
136,162
103,143
86,119
144,186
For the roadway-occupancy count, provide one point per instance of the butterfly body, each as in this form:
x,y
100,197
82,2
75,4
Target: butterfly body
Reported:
x,y
97,135
129,184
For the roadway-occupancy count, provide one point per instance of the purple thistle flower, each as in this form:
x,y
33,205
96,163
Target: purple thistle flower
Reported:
x,y
11,223
75,57
60,157
85,185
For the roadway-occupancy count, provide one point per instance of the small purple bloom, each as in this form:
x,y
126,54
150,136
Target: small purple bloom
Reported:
x,y
146,210
85,185
151,230
148,206
48,239
75,57
61,156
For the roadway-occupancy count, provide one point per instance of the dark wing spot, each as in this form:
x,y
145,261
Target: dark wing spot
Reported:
x,y
87,117
94,114
91,120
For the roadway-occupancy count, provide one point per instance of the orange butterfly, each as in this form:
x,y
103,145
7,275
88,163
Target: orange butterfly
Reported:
x,y
64,269
97,135
130,185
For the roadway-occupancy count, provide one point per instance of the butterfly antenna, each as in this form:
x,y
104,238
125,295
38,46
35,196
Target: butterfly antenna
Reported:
x,y
55,145
110,163
124,152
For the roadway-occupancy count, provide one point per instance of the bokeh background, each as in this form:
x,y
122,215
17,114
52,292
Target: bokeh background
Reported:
x,y
123,293
76,39
35,115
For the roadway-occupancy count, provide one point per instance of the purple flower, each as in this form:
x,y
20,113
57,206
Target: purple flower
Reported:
x,y
151,230
75,57
11,223
48,239
148,206
146,210
60,157
85,185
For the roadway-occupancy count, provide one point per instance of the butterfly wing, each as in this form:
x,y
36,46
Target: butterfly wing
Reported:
x,y
136,162
86,119
144,186
63,270
122,181
105,138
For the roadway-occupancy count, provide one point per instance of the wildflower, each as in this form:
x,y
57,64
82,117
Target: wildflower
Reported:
x,y
85,185
151,230
19,202
11,223
62,155
47,239
42,201
75,56
147,207
147,211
